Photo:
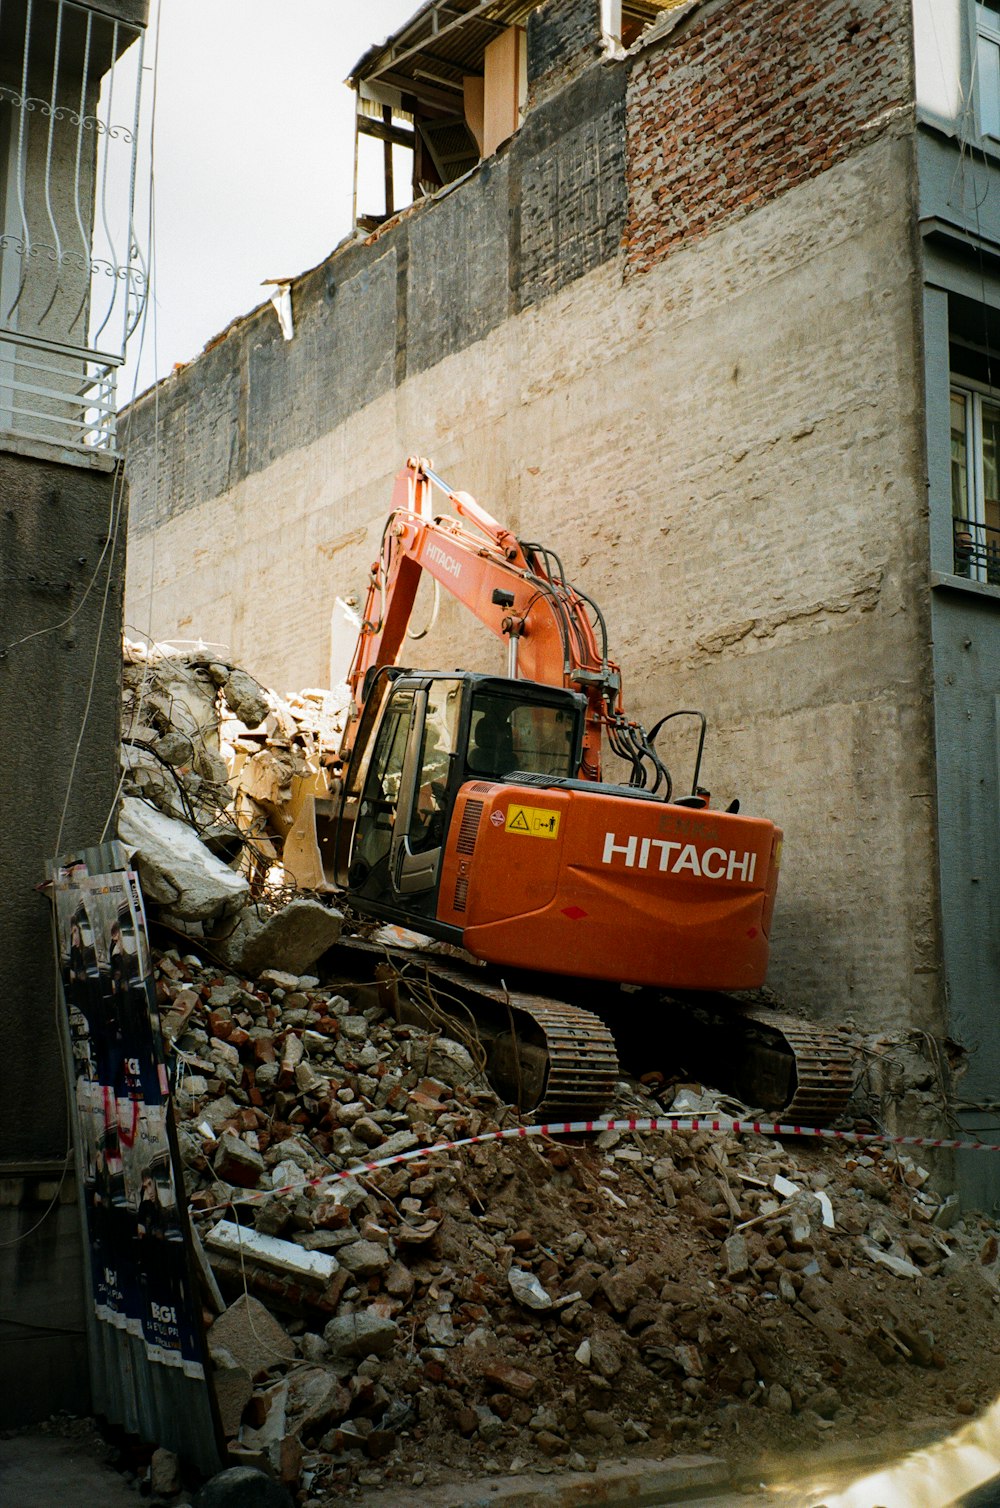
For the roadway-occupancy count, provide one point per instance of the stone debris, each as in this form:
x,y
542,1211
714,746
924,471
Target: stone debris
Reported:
x,y
291,938
282,1256
490,1306
177,870
219,777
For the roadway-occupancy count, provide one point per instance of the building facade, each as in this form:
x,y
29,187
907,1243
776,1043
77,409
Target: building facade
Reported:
x,y
69,291
709,311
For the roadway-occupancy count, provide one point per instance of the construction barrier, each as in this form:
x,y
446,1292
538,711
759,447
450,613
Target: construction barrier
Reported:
x,y
684,1124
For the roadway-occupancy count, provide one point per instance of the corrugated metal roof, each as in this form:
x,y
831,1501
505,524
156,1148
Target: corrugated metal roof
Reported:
x,y
446,39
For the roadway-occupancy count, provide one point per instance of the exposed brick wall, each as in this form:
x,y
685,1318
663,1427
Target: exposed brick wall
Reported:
x,y
749,100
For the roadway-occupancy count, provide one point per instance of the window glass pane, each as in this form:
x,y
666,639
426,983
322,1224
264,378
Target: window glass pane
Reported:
x,y
440,732
373,833
991,465
509,735
959,457
988,68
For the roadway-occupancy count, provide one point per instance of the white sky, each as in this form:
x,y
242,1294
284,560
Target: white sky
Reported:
x,y
254,154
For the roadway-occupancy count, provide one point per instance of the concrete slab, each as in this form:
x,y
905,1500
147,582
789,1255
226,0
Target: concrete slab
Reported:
x,y
39,1471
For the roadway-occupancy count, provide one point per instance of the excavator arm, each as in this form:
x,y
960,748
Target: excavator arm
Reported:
x,y
555,634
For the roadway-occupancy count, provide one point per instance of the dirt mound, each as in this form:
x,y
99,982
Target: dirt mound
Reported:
x,y
537,1301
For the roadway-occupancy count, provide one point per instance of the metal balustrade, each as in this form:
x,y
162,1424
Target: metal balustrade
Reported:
x,y
976,550
72,275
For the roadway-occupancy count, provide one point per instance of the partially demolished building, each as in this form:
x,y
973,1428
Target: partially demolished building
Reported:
x,y
705,294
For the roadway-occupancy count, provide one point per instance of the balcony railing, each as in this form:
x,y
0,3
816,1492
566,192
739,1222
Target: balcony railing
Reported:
x,y
72,276
976,551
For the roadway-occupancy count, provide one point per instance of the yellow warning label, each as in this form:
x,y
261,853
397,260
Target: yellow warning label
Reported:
x,y
532,822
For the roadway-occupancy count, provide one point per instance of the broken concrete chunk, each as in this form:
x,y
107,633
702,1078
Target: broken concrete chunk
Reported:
x,y
290,939
250,1336
176,868
270,1251
164,1473
450,1062
778,1399
365,1333
440,1329
287,1175
237,1163
605,1357
315,1399
278,979
898,1265
737,1256
233,1388
220,1111
245,698
365,1259
403,1141
527,1289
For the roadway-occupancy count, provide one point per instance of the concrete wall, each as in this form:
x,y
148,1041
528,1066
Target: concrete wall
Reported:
x,y
944,47
966,670
60,668
43,1348
694,422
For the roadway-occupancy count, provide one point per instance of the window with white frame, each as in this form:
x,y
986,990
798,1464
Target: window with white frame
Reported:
x,y
988,67
975,484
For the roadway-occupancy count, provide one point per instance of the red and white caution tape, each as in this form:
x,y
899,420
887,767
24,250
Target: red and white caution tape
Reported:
x,y
684,1124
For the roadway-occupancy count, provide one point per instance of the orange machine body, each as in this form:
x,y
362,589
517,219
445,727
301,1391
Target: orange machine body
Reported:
x,y
608,887
572,875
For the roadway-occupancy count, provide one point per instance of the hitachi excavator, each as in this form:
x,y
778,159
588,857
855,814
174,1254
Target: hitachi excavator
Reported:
x,y
473,808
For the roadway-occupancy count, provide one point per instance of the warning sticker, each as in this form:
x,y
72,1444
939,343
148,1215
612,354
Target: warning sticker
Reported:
x,y
532,821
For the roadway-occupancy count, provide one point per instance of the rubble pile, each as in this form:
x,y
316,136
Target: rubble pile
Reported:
x,y
207,745
536,1303
172,707
199,736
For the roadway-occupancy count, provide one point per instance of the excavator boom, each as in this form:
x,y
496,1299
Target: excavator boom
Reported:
x,y
518,591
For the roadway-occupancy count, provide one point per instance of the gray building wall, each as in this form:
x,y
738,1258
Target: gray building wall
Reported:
x,y
62,546
62,542
959,220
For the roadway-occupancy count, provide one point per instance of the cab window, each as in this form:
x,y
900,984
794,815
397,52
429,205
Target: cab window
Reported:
x,y
507,735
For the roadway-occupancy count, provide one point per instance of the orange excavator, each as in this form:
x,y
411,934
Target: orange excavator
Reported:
x,y
475,809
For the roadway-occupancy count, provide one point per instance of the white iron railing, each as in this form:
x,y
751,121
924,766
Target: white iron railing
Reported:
x,y
72,276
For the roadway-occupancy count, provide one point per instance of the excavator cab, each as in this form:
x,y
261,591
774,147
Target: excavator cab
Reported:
x,y
422,737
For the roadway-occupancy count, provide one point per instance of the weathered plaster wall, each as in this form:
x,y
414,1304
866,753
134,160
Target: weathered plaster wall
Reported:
x,y
54,527
60,669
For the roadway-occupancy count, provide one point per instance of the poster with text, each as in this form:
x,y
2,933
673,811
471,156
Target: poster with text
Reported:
x,y
136,1220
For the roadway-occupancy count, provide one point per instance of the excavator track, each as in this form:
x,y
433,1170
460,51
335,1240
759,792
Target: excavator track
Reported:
x,y
556,1060
800,1074
824,1068
549,1057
